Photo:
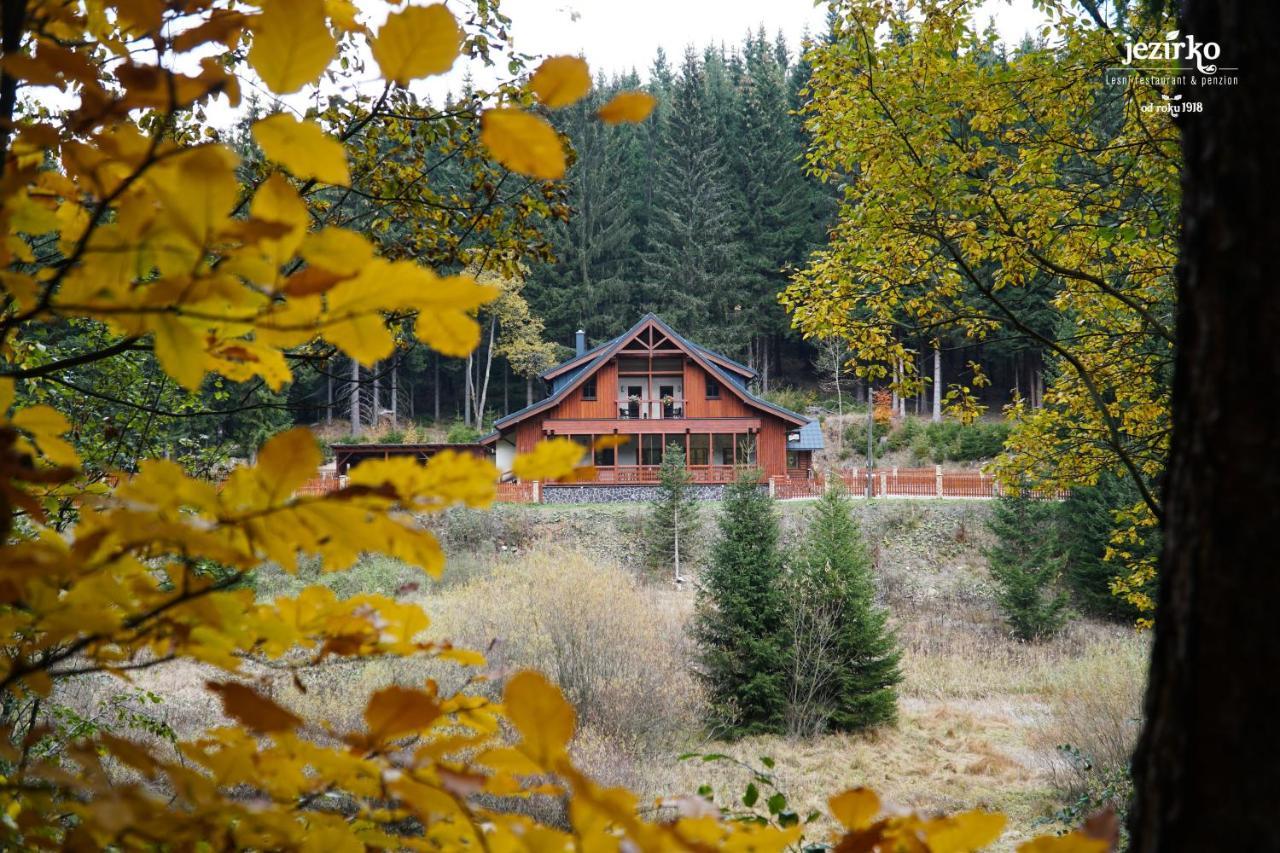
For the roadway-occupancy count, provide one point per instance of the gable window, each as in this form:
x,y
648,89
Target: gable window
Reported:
x,y
713,388
589,389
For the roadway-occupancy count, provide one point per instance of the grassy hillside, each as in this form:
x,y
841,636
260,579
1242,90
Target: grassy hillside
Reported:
x,y
559,588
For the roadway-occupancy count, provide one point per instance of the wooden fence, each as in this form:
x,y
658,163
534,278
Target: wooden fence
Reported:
x,y
518,493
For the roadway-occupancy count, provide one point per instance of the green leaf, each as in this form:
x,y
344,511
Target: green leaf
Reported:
x,y
776,803
751,796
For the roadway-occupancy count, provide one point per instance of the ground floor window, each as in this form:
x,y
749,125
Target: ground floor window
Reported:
x,y
699,449
651,449
722,450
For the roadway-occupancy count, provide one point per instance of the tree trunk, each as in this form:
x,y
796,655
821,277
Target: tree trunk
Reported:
x,y
395,405
937,383
328,403
355,397
528,390
481,394
1207,769
435,390
466,392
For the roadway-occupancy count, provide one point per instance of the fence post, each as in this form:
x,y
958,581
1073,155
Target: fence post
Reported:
x,y
937,472
773,487
884,484
537,492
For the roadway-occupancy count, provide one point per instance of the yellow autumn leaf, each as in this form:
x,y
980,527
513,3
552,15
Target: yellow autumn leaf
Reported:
x,y
396,711
627,107
855,808
256,711
180,350
561,81
542,716
417,42
6,394
292,44
448,332
1073,842
277,202
337,250
964,832
552,459
363,337
197,191
46,424
523,142
303,148
285,462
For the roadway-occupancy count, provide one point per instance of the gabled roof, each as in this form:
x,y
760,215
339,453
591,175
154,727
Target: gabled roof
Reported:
x,y
598,356
808,437
589,356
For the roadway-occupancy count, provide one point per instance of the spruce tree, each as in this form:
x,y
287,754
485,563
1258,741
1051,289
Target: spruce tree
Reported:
x,y
741,617
1026,566
1087,523
672,527
844,657
688,264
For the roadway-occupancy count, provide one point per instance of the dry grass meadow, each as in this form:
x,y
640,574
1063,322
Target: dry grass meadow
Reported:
x,y
980,716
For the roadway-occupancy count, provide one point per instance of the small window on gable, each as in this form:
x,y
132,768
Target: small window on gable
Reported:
x,y
713,388
589,389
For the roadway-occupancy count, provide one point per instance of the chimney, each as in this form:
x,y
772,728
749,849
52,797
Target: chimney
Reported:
x,y
581,344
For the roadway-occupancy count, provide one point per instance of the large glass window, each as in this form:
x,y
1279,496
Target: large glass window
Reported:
x,y
747,449
626,452
585,441
699,449
651,449
722,450
605,456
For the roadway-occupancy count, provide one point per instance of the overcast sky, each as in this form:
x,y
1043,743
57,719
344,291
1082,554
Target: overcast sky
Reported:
x,y
617,36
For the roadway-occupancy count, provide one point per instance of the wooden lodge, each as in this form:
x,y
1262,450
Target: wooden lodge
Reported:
x,y
647,389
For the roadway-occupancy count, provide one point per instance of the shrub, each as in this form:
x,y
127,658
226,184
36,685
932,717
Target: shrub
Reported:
x,y
1095,704
855,436
1026,567
460,433
953,441
795,399
672,527
903,436
741,617
616,647
844,660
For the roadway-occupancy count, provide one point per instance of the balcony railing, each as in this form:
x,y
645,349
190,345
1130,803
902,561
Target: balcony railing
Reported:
x,y
652,408
649,473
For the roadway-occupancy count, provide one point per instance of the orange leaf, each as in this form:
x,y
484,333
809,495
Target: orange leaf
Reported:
x,y
256,711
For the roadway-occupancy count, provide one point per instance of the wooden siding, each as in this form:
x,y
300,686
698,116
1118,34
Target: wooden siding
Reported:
x,y
625,426
698,406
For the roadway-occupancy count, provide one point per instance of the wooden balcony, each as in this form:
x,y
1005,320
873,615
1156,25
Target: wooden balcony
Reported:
x,y
650,408
630,426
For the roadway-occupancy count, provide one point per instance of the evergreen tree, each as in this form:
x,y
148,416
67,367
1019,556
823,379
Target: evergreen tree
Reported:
x,y
1087,522
672,527
588,285
844,658
688,262
741,617
1026,566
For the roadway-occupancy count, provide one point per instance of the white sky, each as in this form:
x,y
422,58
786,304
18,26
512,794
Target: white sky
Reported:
x,y
616,36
